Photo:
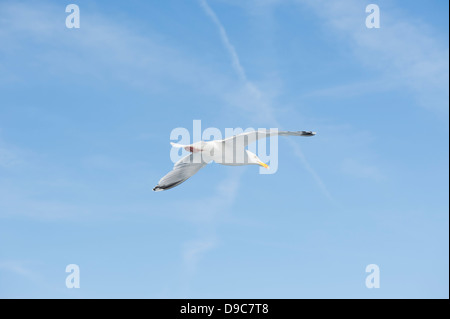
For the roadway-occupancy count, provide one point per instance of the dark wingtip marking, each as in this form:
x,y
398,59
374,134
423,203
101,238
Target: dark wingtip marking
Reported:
x,y
168,186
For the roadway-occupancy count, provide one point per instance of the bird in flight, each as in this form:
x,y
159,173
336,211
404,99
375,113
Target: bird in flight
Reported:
x,y
229,151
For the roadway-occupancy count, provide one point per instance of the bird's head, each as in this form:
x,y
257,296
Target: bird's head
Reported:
x,y
255,160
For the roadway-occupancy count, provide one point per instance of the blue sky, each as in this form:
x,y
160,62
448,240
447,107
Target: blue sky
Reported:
x,y
85,121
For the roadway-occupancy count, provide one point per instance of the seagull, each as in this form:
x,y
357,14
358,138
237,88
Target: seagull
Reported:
x,y
229,151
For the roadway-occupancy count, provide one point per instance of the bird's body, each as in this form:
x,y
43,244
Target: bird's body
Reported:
x,y
230,151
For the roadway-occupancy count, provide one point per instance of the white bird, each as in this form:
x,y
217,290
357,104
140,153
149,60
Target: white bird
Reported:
x,y
229,151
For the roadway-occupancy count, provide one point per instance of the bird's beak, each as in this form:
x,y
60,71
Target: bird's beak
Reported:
x,y
263,165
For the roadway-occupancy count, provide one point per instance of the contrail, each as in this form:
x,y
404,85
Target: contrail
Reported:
x,y
226,41
241,73
298,152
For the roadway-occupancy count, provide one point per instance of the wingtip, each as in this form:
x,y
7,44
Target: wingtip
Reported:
x,y
157,189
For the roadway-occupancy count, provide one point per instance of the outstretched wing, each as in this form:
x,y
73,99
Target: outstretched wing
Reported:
x,y
182,170
251,137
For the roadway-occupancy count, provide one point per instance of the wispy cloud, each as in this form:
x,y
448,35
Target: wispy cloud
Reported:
x,y
7,157
406,53
18,203
101,50
10,156
193,251
207,210
18,268
205,214
360,169
102,162
350,90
